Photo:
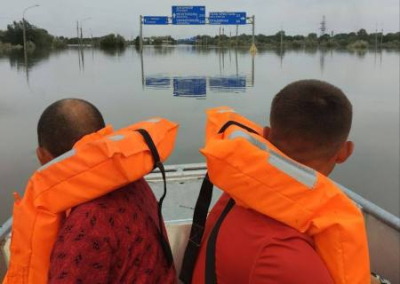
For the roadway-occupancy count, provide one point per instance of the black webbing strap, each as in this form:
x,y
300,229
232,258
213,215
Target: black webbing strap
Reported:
x,y
158,164
231,122
211,276
197,230
199,219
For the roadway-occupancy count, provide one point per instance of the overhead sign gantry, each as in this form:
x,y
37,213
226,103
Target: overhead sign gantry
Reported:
x,y
196,15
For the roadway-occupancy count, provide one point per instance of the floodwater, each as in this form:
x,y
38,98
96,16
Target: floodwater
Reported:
x,y
180,83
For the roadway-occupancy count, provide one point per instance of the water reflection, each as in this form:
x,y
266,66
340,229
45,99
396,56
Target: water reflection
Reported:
x,y
190,87
322,55
23,63
113,52
226,56
228,84
158,82
197,86
81,58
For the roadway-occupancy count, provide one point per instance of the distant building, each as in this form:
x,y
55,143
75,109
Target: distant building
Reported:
x,y
159,40
190,40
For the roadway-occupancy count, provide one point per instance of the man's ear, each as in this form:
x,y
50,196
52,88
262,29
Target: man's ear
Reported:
x,y
345,152
266,132
43,155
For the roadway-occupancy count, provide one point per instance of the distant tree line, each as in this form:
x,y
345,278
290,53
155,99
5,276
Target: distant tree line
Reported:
x,y
359,40
12,38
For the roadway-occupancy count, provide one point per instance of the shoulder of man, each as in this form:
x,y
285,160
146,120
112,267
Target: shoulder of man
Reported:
x,y
107,212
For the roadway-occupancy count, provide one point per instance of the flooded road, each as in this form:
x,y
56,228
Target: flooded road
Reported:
x,y
180,83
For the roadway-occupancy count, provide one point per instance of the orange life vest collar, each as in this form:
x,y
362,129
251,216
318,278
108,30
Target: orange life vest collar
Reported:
x,y
98,164
271,183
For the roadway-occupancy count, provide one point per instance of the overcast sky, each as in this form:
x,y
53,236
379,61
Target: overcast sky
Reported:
x,y
122,16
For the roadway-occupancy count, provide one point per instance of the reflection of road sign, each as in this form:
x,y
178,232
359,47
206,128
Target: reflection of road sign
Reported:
x,y
188,15
228,84
157,82
190,87
227,18
151,20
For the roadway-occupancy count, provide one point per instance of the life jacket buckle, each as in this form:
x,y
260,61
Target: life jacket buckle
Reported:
x,y
197,234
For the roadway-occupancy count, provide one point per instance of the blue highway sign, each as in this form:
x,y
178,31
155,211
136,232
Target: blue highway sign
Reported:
x,y
188,15
227,18
155,20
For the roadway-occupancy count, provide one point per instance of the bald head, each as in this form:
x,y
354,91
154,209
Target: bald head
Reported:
x,y
65,122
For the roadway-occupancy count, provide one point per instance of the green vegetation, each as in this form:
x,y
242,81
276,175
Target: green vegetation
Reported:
x,y
359,44
112,41
8,47
359,40
12,38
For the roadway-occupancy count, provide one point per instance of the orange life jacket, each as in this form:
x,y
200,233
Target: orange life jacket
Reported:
x,y
259,176
98,164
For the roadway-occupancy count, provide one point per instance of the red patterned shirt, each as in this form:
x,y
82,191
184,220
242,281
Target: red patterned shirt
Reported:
x,y
112,239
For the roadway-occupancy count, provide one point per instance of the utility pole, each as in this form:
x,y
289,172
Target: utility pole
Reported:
x,y
24,28
81,35
91,38
323,26
77,34
24,35
376,36
88,18
253,30
281,38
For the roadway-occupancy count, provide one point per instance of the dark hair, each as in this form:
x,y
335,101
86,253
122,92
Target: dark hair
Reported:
x,y
313,113
65,122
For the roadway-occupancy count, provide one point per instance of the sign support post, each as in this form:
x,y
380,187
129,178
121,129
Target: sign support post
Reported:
x,y
237,35
141,34
253,48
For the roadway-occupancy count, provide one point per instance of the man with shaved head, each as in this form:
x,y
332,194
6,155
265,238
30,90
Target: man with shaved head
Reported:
x,y
112,239
63,123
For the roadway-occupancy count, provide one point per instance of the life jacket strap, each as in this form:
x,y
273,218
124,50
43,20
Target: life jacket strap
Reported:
x,y
197,231
199,219
158,164
232,122
211,275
